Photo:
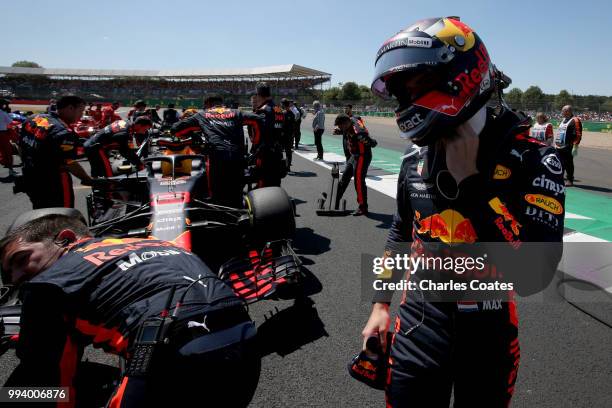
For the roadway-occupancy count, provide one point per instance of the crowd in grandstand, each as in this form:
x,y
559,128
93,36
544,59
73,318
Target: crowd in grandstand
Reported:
x,y
21,86
589,116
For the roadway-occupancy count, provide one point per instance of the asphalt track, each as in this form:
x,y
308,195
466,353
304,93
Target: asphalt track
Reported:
x,y
566,359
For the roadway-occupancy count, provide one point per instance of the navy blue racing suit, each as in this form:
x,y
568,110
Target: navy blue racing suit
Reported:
x,y
99,293
117,135
470,348
225,165
269,149
47,145
359,144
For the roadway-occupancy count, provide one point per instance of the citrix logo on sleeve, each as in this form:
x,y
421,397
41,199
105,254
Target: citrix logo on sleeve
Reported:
x,y
542,181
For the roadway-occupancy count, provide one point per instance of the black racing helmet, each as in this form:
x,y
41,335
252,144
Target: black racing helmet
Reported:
x,y
440,73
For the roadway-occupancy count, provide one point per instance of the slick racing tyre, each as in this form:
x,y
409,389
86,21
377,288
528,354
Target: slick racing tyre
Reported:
x,y
271,211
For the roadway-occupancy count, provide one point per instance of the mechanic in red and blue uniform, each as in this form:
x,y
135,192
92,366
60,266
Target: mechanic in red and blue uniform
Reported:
x,y
78,291
359,145
48,149
225,163
268,139
472,175
117,136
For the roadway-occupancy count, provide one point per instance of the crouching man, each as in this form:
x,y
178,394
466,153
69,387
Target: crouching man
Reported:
x,y
137,298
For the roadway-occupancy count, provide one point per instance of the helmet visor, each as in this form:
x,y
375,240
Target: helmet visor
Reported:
x,y
406,59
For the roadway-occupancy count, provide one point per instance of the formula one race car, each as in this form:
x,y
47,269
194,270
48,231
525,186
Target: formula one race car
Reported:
x,y
250,246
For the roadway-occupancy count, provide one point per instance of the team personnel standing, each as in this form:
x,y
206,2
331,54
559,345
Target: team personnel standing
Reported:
x,y
140,109
299,115
154,114
109,114
318,127
117,136
288,130
360,146
542,130
48,149
567,141
267,146
79,291
222,128
96,114
6,148
471,179
171,116
348,109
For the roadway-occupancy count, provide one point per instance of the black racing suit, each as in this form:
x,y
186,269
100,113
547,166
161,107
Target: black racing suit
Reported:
x,y
225,164
360,147
100,292
288,134
47,145
268,151
117,136
472,347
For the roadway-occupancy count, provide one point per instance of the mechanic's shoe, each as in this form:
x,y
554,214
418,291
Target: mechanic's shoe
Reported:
x,y
569,183
360,211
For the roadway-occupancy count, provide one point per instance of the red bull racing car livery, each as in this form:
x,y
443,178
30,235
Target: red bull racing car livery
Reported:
x,y
250,246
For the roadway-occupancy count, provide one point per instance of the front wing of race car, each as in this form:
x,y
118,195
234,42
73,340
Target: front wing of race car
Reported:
x,y
263,275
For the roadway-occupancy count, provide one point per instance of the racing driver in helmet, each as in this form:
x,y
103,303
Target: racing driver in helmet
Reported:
x,y
473,170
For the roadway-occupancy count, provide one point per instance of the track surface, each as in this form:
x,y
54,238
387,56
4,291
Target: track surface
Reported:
x,y
566,359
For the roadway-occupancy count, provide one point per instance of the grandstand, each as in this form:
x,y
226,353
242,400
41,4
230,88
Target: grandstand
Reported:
x,y
183,87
